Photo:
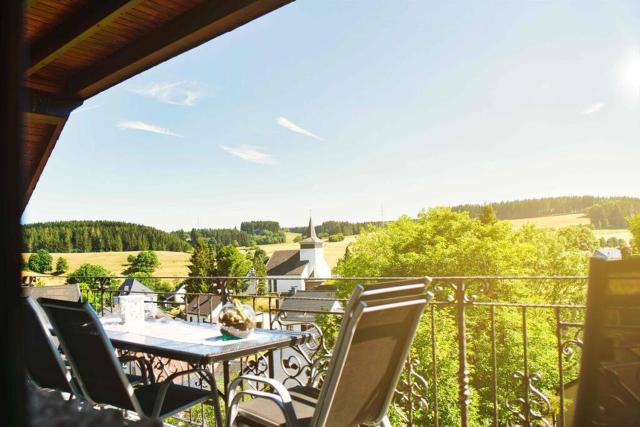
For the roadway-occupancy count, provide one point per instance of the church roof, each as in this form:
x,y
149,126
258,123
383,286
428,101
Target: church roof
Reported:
x,y
312,240
286,263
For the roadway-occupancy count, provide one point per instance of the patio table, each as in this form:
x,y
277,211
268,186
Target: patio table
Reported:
x,y
197,345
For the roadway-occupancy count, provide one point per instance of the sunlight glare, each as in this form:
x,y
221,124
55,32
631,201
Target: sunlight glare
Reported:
x,y
630,75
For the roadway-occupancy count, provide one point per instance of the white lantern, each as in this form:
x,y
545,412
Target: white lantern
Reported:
x,y
131,308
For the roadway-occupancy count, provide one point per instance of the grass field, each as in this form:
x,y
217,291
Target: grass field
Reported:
x,y
171,263
558,221
174,264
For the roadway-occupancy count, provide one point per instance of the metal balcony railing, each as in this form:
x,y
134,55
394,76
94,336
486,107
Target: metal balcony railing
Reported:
x,y
490,350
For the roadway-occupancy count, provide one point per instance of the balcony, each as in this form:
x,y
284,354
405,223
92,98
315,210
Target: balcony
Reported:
x,y
476,359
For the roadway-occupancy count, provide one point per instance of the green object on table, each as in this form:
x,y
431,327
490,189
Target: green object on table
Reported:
x,y
226,336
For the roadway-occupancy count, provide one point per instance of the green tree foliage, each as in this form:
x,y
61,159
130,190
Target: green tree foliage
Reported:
x,y
231,262
62,266
206,262
336,237
201,264
94,276
219,237
613,213
335,227
488,215
580,237
441,242
260,227
98,236
530,208
634,227
40,262
144,262
259,261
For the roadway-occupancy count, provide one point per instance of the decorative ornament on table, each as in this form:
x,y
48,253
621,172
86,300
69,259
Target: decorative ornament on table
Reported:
x,y
236,320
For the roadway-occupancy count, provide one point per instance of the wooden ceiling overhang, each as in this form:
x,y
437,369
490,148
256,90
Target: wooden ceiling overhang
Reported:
x,y
78,48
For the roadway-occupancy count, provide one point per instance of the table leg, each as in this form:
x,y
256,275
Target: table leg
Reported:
x,y
225,378
216,400
271,366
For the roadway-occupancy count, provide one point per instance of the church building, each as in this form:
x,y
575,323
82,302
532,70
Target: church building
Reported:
x,y
305,263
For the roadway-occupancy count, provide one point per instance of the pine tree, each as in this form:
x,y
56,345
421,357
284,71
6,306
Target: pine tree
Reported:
x,y
202,264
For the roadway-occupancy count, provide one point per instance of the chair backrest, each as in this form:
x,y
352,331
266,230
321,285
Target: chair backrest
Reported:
x,y
62,292
90,353
376,333
42,358
609,382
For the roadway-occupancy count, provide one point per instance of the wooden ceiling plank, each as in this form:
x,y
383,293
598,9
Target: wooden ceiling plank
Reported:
x,y
41,160
191,29
73,31
42,118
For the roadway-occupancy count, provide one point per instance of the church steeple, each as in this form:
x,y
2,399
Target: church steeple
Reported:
x,y
312,241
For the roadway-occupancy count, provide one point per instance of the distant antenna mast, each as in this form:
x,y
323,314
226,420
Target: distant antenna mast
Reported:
x,y
381,214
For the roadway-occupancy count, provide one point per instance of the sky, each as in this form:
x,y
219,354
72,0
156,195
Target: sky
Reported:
x,y
362,110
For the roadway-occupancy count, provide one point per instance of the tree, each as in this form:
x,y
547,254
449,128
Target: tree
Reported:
x,y
62,266
93,275
40,262
488,215
201,264
336,237
231,262
145,262
259,261
579,237
634,227
445,243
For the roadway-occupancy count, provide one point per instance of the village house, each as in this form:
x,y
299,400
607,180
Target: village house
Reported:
x,y
204,309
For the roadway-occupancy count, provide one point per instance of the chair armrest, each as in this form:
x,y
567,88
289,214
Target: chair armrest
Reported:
x,y
281,398
144,364
164,387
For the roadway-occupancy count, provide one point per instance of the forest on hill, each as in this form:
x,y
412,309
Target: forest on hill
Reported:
x,y
250,234
328,228
98,236
604,212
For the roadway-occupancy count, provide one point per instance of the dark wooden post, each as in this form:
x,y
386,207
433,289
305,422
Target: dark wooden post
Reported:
x,y
11,194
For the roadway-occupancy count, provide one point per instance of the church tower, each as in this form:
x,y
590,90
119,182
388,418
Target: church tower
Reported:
x,y
312,250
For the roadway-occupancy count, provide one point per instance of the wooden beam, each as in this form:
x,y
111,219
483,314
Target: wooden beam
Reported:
x,y
82,25
33,176
57,108
191,29
41,118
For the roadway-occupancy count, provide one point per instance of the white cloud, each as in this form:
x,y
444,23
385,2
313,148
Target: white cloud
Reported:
x,y
250,154
287,124
592,109
175,93
138,125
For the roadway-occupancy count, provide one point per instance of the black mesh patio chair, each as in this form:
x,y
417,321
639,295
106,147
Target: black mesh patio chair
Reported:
x,y
609,381
375,335
61,292
44,364
100,375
